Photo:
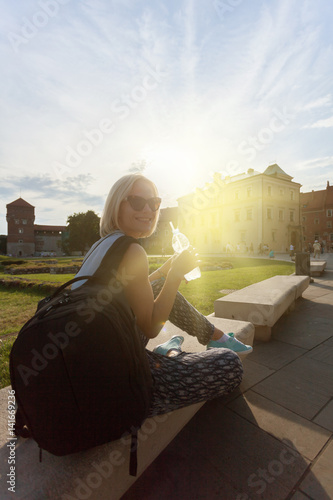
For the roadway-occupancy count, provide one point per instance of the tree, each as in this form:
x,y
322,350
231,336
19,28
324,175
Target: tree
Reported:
x,y
83,231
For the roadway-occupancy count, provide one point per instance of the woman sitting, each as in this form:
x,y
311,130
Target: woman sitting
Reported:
x,y
180,378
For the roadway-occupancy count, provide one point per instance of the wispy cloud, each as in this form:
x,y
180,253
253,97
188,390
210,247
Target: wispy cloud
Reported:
x,y
56,199
325,123
225,77
322,102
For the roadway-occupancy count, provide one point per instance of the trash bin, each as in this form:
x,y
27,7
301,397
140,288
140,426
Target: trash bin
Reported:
x,y
302,263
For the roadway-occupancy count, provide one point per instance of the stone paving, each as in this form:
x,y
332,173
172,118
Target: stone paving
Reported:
x,y
272,438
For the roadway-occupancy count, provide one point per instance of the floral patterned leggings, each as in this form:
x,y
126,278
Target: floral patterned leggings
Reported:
x,y
191,378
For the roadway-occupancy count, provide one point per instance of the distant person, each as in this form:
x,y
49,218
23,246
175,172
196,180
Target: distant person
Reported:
x,y
316,249
230,248
291,250
271,254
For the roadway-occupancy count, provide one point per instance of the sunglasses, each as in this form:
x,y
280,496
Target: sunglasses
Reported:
x,y
138,203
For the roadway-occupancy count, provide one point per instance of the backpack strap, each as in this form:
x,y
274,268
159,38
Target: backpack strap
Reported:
x,y
111,260
110,263
133,465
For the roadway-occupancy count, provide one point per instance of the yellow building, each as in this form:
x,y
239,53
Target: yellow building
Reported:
x,y
243,212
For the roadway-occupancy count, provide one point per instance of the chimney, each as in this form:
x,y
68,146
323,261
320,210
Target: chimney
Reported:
x,y
328,184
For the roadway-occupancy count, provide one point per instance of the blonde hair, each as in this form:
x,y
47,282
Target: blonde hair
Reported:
x,y
110,217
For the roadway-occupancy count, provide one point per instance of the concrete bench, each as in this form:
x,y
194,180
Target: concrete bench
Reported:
x,y
317,267
102,472
97,474
262,303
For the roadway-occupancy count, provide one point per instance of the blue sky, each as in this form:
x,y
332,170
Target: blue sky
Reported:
x,y
94,89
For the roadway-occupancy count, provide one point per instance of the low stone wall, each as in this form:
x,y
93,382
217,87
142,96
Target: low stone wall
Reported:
x,y
42,270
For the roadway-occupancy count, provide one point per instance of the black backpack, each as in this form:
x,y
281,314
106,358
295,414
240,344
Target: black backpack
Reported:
x,y
78,367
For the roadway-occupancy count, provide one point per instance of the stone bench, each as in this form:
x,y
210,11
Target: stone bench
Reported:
x,y
317,267
262,303
102,472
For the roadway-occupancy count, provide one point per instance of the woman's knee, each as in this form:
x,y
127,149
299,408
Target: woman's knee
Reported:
x,y
235,366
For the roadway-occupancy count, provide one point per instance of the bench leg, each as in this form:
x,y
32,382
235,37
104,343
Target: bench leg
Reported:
x,y
291,307
262,333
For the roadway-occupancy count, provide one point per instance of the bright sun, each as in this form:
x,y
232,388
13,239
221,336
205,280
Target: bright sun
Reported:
x,y
175,168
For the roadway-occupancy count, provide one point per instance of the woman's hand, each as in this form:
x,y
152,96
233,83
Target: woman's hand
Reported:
x,y
183,263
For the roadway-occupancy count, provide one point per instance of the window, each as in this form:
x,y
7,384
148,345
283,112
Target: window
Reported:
x,y
331,236
329,223
237,215
17,221
291,216
243,236
281,215
20,241
269,213
316,221
249,192
304,218
249,214
269,191
292,194
24,221
329,212
236,195
20,230
273,235
281,192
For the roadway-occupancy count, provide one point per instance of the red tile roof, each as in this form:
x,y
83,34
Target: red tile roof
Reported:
x,y
316,200
20,202
39,227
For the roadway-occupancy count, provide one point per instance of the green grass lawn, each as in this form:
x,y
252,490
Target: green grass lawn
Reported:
x,y
18,305
203,292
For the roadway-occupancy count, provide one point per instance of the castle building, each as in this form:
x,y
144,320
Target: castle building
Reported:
x,y
317,217
248,211
25,238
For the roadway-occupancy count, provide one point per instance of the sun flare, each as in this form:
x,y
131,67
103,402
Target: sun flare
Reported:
x,y
171,163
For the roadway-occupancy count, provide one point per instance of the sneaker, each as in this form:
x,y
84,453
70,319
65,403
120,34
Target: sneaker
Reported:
x,y
172,344
232,343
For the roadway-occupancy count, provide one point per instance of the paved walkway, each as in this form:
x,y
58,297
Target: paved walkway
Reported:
x,y
272,438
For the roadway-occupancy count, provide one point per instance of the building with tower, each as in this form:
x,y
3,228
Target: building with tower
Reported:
x,y
317,218
25,238
252,210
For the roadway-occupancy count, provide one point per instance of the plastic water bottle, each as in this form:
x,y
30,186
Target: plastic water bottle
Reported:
x,y
179,243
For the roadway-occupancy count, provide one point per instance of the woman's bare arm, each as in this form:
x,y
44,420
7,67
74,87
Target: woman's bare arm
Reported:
x,y
152,314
